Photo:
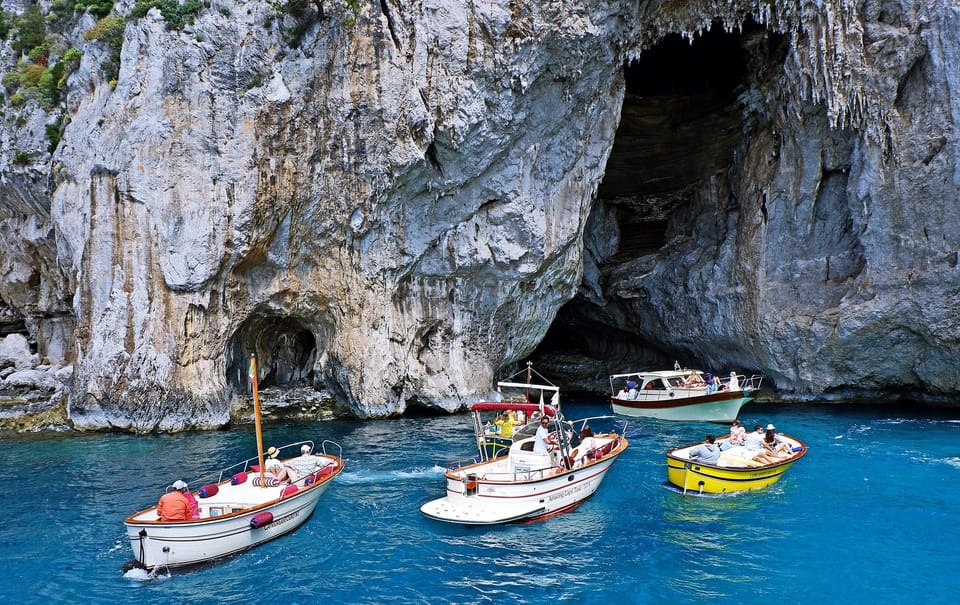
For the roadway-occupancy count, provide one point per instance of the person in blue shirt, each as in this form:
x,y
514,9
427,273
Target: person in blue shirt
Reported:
x,y
712,382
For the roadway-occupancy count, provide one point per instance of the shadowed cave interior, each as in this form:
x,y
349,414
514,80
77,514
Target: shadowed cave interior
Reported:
x,y
285,349
681,121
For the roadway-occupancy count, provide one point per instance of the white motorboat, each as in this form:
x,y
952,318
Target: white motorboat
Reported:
x,y
681,394
239,507
525,485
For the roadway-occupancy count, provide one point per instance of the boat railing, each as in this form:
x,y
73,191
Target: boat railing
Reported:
x,y
519,475
458,464
226,473
581,423
331,444
744,383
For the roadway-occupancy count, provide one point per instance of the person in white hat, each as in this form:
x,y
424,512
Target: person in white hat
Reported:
x,y
775,443
173,505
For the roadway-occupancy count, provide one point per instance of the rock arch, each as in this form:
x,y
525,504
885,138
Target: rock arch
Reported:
x,y
286,352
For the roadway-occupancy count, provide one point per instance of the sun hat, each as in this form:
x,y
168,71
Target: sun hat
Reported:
x,y
272,452
770,427
179,484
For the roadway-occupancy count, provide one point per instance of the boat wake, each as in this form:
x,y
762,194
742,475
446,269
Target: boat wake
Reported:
x,y
953,461
140,574
366,476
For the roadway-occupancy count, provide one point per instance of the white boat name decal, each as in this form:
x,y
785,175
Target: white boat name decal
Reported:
x,y
567,492
283,520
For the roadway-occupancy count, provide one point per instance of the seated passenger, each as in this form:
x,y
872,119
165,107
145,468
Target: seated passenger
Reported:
x,y
274,467
693,381
737,433
777,445
192,502
759,450
711,383
173,505
304,464
707,452
632,391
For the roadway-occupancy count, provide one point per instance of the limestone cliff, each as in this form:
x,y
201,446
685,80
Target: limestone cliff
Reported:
x,y
397,203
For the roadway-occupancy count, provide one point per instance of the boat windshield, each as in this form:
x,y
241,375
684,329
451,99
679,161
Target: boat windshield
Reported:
x,y
530,429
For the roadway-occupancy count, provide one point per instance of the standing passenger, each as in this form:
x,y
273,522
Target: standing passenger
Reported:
x,y
542,438
734,384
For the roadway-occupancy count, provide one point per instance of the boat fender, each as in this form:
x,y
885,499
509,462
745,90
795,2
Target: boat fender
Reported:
x,y
239,479
290,489
798,448
261,519
209,490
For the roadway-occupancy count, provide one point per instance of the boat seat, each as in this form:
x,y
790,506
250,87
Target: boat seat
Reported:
x,y
732,460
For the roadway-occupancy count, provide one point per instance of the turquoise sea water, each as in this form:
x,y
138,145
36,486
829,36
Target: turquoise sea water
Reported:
x,y
870,514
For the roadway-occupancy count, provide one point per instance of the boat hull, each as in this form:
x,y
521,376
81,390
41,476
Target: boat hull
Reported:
x,y
700,478
233,519
473,500
692,477
715,407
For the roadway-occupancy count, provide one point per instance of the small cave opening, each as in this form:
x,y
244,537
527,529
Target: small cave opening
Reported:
x,y
286,352
681,122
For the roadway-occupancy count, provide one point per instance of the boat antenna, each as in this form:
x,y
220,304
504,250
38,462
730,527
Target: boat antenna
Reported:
x,y
529,378
256,415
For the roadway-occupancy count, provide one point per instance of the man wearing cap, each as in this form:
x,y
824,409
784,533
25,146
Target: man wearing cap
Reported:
x,y
304,464
711,383
173,505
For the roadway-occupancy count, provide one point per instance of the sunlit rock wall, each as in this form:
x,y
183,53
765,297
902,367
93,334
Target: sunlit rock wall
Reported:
x,y
409,189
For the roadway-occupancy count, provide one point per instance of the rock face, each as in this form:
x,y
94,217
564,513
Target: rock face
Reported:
x,y
399,203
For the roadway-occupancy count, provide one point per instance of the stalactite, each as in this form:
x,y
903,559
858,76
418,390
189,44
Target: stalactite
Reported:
x,y
827,49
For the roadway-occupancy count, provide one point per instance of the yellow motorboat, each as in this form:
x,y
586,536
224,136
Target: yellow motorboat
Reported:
x,y
735,471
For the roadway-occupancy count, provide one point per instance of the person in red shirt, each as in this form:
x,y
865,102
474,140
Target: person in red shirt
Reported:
x,y
173,505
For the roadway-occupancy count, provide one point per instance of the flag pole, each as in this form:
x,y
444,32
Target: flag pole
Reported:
x,y
256,415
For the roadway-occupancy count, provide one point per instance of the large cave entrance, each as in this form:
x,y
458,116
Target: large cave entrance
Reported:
x,y
683,118
285,349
